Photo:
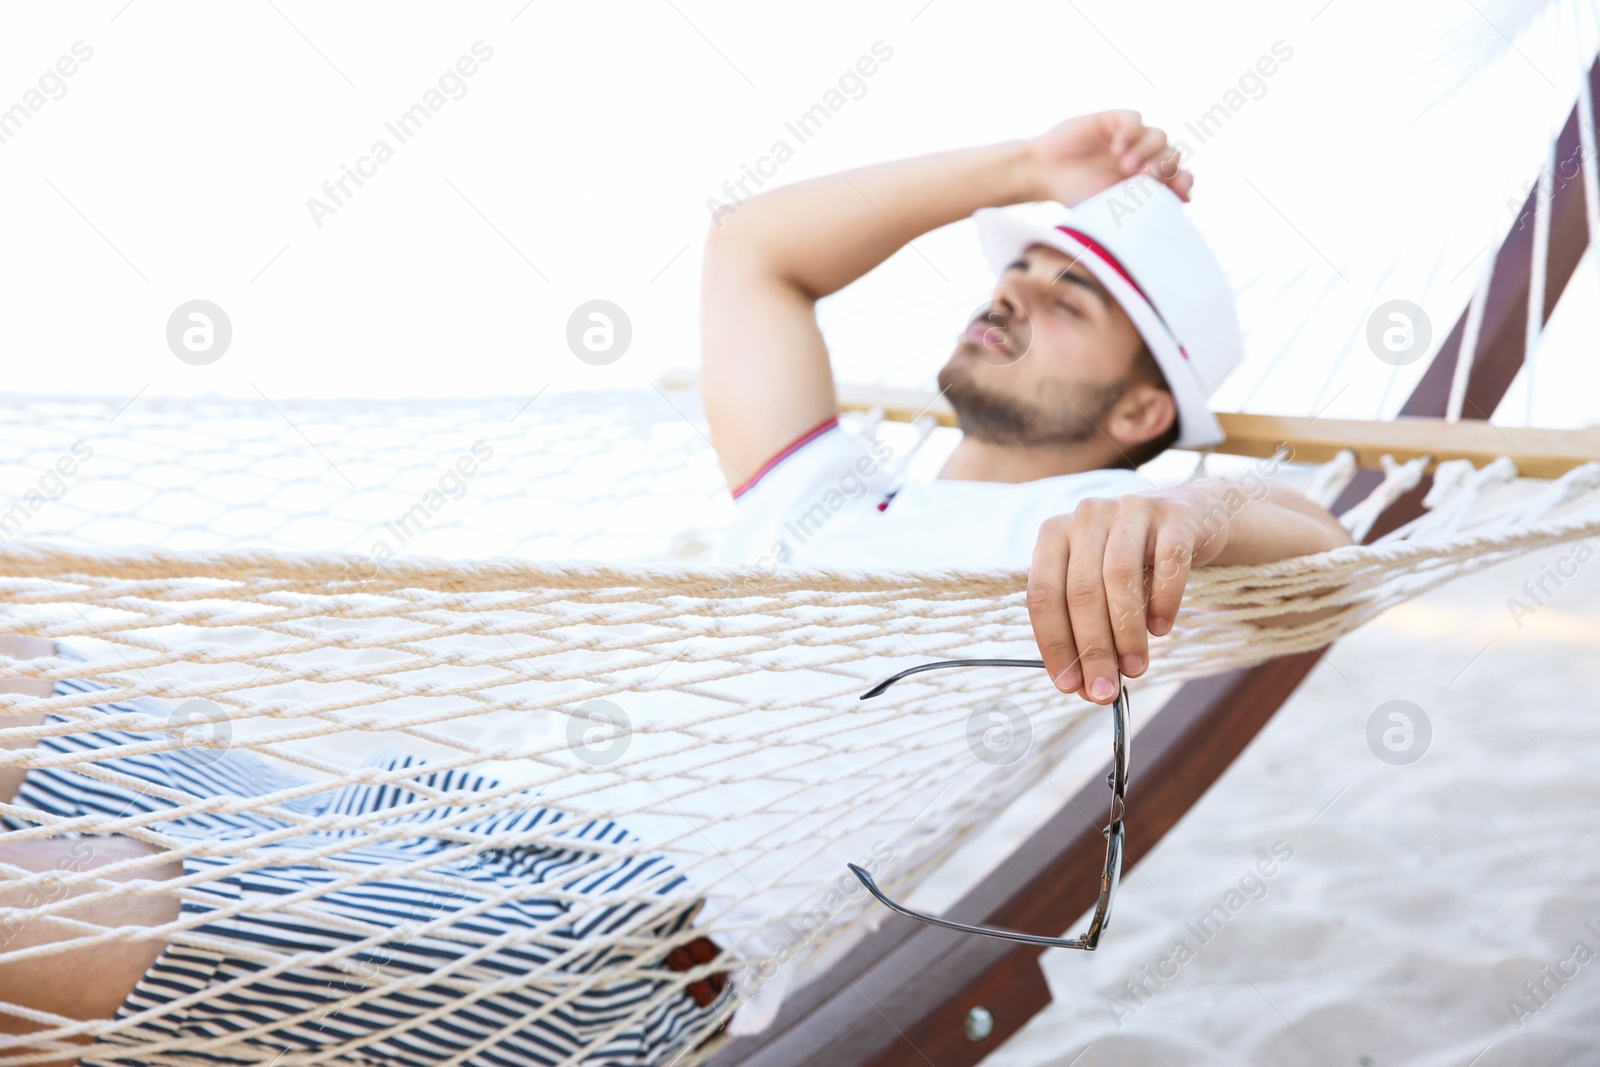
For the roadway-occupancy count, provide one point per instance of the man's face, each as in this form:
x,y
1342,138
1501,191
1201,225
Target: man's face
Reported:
x,y
1049,359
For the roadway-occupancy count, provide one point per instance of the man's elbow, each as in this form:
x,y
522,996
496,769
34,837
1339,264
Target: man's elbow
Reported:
x,y
1294,500
735,223
1338,533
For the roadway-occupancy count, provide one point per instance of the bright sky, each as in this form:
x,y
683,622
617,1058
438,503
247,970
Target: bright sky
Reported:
x,y
175,163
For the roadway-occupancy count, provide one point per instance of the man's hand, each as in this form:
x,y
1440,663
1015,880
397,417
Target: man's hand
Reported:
x,y
1083,156
1106,576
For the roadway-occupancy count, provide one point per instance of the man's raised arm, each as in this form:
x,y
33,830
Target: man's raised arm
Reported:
x,y
764,368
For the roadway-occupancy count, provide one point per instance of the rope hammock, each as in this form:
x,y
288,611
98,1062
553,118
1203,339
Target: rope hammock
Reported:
x,y
696,726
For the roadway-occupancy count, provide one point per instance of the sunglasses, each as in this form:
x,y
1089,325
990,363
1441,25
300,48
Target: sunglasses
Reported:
x,y
1113,833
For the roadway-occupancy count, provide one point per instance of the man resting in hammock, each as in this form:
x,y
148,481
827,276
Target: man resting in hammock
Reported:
x,y
1102,340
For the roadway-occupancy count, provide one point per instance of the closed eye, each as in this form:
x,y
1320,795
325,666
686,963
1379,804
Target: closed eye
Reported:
x,y
1069,308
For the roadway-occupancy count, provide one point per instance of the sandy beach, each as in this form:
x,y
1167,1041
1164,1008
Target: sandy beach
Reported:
x,y
1440,912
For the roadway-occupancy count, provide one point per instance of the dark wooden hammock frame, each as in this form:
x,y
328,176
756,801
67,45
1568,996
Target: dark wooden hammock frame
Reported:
x,y
901,997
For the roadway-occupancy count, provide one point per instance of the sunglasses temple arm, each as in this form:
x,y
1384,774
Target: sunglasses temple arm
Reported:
x,y
1087,942
878,689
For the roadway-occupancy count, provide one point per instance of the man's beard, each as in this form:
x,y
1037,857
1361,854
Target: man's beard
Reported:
x,y
1069,413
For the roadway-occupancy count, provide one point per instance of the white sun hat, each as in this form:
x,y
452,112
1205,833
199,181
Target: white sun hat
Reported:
x,y
1137,240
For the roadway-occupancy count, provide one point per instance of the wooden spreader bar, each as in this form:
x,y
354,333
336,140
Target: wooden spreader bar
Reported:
x,y
1538,452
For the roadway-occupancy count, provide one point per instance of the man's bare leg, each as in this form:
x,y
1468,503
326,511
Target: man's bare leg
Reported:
x,y
76,983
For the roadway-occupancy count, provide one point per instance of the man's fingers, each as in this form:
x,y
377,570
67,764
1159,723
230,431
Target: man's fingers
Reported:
x,y
1152,155
1125,127
1173,558
1086,606
1127,547
1148,149
1047,605
1182,184
1166,166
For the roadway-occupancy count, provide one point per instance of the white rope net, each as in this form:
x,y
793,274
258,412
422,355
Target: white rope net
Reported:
x,y
219,559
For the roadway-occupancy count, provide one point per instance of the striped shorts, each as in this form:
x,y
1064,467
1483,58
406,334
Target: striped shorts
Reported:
x,y
214,995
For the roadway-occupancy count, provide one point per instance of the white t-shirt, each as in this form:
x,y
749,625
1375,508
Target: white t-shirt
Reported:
x,y
834,499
